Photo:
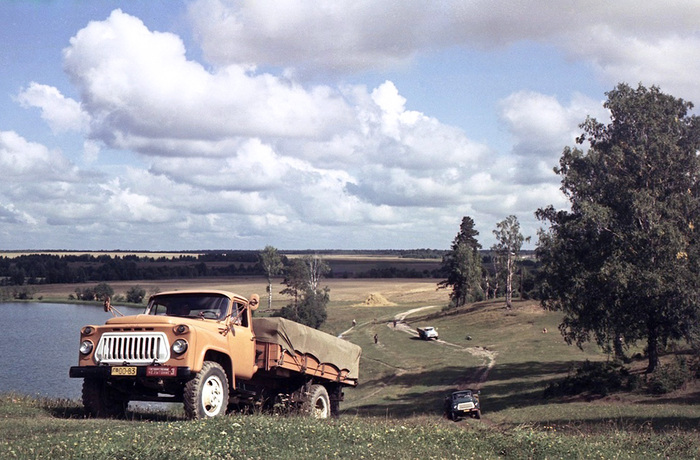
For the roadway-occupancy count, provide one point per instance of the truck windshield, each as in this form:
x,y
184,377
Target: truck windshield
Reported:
x,y
208,306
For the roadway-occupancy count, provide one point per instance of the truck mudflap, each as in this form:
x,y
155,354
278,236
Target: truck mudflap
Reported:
x,y
108,372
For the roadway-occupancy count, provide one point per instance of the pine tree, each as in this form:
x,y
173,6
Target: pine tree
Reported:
x,y
462,264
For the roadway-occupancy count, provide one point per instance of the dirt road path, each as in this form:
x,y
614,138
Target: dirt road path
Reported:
x,y
473,381
488,357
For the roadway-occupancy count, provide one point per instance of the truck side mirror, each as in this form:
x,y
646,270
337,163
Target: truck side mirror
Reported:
x,y
254,302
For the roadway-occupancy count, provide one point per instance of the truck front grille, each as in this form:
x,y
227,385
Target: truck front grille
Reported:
x,y
465,406
132,348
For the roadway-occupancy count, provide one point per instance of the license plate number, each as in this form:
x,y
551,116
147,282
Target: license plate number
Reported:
x,y
123,371
161,371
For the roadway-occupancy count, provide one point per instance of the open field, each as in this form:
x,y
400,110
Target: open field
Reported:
x,y
72,266
396,411
344,292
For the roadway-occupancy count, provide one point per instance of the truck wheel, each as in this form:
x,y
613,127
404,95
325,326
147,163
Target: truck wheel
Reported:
x,y
477,415
100,400
317,404
206,395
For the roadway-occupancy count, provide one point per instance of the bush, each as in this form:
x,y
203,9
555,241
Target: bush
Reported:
x,y
99,292
135,294
23,293
595,378
670,377
310,311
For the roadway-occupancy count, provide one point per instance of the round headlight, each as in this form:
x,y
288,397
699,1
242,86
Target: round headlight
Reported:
x,y
179,346
86,347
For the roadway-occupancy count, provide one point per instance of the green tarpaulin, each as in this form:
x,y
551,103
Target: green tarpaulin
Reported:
x,y
295,337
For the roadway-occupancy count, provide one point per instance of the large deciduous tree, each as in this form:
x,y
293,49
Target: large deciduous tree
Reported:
x,y
623,263
509,241
462,264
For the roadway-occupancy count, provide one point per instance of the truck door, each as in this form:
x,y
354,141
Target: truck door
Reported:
x,y
241,342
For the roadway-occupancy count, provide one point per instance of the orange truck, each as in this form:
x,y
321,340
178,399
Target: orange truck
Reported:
x,y
204,349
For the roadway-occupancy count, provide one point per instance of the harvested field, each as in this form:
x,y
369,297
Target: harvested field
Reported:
x,y
350,291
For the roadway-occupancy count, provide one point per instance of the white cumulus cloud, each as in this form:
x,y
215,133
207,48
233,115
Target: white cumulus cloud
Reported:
x,y
138,85
653,42
61,113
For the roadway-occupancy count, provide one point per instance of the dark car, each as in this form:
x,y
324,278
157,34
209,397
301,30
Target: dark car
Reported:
x,y
463,403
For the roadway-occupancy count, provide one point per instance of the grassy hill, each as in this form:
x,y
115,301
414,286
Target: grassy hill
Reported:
x,y
396,412
509,358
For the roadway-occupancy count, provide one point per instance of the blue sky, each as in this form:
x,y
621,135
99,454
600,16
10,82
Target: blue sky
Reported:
x,y
215,124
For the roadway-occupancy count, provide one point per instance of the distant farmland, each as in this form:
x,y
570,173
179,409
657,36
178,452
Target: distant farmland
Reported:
x,y
53,266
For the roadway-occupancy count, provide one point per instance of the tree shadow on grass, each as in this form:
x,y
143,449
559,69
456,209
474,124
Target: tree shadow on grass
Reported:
x,y
512,386
690,398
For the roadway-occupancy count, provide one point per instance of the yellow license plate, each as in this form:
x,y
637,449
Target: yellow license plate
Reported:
x,y
124,371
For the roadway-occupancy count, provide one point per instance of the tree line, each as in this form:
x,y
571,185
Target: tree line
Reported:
x,y
59,269
31,269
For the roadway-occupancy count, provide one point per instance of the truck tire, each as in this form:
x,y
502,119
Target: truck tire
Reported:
x,y
317,403
206,395
100,400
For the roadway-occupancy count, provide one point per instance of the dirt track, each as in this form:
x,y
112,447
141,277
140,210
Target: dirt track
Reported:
x,y
472,381
488,357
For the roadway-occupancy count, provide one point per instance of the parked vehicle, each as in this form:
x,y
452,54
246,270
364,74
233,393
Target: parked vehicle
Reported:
x,y
463,403
427,333
204,349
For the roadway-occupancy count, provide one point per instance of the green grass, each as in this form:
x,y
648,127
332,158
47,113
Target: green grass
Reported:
x,y
401,377
56,430
396,411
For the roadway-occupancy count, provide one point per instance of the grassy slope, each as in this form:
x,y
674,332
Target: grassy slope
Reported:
x,y
403,376
56,430
396,410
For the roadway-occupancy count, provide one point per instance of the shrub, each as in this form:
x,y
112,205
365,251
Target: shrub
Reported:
x,y
670,377
99,292
23,293
310,311
595,378
135,294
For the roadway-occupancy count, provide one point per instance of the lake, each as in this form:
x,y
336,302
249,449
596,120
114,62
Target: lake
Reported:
x,y
39,343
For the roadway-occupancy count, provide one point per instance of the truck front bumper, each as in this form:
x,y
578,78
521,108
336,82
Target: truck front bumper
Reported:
x,y
105,372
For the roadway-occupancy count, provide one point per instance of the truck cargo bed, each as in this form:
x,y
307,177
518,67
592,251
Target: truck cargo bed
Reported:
x,y
283,344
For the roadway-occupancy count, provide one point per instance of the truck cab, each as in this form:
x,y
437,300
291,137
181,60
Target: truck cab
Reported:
x,y
156,355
